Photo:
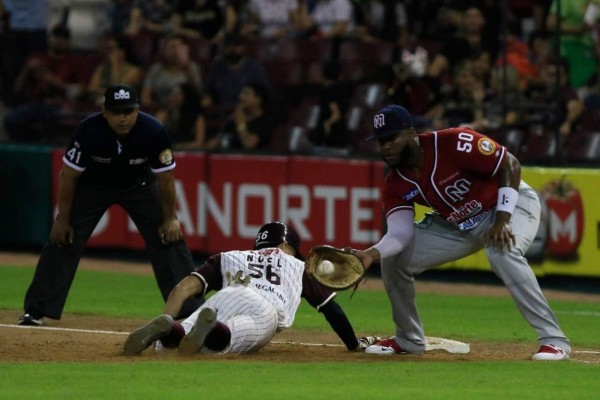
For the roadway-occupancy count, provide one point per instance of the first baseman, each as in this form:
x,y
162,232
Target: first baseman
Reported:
x,y
474,187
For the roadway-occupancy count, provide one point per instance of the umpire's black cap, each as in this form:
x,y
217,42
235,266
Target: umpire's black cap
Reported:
x,y
274,233
390,120
120,97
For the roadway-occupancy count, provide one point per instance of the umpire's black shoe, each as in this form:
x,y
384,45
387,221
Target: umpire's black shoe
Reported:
x,y
30,320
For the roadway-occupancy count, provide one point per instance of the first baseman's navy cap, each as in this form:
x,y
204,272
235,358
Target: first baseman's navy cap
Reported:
x,y
274,233
120,97
390,120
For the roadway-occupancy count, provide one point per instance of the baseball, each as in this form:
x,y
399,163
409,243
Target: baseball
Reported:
x,y
325,267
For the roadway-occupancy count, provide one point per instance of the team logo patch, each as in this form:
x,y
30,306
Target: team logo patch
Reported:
x,y
486,146
122,95
458,190
166,157
379,121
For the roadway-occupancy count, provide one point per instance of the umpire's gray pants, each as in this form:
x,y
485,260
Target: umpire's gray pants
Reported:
x,y
436,242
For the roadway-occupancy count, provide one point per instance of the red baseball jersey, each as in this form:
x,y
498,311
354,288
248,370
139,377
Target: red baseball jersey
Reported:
x,y
456,178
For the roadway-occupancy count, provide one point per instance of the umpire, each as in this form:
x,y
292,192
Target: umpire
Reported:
x,y
119,156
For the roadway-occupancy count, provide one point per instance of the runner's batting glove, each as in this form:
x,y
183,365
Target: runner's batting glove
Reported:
x,y
238,279
366,341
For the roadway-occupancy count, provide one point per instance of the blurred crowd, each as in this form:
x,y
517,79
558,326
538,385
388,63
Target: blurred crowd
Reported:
x,y
306,76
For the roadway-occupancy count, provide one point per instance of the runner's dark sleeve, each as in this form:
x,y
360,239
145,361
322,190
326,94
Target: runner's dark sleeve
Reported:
x,y
209,273
321,298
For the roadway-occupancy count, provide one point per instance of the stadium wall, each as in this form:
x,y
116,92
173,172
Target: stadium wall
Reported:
x,y
224,198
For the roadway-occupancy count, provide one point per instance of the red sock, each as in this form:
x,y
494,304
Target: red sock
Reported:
x,y
218,338
174,337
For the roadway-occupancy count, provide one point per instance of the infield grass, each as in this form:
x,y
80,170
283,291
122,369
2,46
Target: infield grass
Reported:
x,y
458,317
328,381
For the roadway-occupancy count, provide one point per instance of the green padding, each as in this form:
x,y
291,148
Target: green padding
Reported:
x,y
25,208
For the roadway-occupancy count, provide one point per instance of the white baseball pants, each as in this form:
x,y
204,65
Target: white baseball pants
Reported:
x,y
250,317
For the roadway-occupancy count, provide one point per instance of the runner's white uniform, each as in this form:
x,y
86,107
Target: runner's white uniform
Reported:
x,y
255,313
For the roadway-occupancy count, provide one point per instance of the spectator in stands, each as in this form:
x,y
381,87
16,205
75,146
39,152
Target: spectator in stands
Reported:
x,y
519,55
409,85
230,72
152,16
471,39
384,20
540,49
27,26
119,15
463,105
117,66
481,64
426,21
326,19
200,19
592,95
45,85
173,68
331,131
564,108
540,14
271,19
576,43
183,117
249,127
540,54
505,105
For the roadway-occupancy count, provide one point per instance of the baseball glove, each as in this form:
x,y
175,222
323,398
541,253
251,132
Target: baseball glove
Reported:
x,y
347,270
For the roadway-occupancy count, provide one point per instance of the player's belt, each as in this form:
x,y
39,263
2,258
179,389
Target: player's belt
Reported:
x,y
471,223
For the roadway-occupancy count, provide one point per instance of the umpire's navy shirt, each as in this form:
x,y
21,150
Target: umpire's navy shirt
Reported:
x,y
120,162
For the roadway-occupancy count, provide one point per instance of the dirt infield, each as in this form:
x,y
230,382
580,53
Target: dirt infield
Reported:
x,y
77,338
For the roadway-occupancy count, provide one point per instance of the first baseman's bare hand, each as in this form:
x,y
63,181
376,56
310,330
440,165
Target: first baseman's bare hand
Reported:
x,y
500,236
365,258
61,233
170,231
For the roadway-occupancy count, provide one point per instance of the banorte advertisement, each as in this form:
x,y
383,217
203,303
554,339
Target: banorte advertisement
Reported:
x,y
222,200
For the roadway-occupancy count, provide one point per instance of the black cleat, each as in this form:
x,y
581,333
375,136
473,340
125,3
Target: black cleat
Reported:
x,y
30,320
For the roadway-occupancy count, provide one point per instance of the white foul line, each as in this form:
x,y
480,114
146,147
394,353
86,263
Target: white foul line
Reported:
x,y
584,313
49,328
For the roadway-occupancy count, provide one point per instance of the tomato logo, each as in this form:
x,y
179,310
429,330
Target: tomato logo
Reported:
x,y
565,218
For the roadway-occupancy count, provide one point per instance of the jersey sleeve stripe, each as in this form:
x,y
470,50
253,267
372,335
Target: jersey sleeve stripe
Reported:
x,y
197,275
500,160
393,210
74,166
167,168
327,300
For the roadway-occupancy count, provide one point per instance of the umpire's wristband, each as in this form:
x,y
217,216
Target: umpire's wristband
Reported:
x,y
507,199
